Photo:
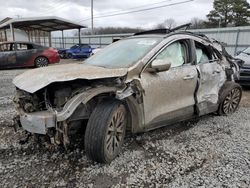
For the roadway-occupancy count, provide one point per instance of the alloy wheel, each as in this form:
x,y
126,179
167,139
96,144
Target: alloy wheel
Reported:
x,y
232,101
116,131
41,62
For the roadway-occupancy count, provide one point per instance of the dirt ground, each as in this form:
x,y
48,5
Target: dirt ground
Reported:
x,y
213,151
245,102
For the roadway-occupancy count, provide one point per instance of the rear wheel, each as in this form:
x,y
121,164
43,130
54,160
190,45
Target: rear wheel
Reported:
x,y
230,98
41,62
105,131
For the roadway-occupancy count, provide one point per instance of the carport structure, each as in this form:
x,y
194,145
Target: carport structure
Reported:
x,y
39,27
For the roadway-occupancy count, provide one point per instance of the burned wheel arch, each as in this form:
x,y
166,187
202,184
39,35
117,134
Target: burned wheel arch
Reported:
x,y
82,98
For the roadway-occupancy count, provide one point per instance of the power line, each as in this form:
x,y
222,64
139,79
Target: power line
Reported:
x,y
52,4
140,10
122,10
54,9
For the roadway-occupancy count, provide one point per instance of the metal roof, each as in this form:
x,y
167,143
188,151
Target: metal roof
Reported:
x,y
48,23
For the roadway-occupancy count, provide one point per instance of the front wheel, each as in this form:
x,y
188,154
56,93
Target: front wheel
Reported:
x,y
105,131
230,98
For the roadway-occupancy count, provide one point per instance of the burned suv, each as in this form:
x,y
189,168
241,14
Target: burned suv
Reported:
x,y
137,84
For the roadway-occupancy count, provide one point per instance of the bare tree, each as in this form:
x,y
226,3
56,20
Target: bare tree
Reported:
x,y
167,24
170,23
197,23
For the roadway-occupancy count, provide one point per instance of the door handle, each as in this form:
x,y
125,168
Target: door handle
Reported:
x,y
188,77
216,71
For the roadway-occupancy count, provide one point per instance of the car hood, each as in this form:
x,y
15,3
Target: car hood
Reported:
x,y
33,80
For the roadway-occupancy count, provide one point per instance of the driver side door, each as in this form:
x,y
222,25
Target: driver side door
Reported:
x,y
169,95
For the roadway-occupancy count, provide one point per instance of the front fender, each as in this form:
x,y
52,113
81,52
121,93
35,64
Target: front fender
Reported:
x,y
83,97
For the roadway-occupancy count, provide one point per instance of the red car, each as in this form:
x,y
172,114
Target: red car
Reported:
x,y
26,54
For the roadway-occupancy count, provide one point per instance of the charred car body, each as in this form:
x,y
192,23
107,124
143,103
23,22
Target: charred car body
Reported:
x,y
26,54
136,84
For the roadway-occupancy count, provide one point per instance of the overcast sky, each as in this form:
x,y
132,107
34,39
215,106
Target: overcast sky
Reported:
x,y
78,10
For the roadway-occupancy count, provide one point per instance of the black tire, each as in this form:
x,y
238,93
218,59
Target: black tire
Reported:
x,y
41,62
103,141
62,55
230,97
69,55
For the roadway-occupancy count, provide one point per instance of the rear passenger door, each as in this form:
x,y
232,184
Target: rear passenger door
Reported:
x,y
25,54
212,77
7,55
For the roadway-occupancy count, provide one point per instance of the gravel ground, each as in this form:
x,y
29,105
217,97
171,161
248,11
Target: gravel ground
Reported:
x,y
213,151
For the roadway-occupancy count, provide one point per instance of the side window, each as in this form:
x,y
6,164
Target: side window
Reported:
x,y
30,46
84,46
202,53
21,46
174,53
6,47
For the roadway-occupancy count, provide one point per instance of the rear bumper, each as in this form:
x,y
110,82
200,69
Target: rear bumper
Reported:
x,y
54,59
38,122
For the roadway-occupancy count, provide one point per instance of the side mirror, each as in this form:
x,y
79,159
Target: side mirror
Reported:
x,y
238,52
159,65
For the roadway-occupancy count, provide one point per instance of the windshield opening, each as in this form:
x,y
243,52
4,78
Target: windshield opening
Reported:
x,y
124,53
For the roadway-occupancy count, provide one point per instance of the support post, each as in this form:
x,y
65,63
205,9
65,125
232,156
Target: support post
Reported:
x,y
12,32
79,35
5,34
237,41
50,42
28,32
32,35
39,35
62,39
44,38
92,18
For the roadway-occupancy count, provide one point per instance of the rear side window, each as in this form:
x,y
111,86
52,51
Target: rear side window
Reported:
x,y
75,46
85,46
203,54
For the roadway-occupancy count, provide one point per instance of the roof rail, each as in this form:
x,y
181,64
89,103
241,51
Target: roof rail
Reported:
x,y
154,31
164,31
186,26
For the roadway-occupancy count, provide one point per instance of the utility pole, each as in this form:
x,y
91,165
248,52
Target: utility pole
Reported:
x,y
92,18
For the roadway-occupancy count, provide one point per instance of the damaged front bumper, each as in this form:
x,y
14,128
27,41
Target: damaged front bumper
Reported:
x,y
38,122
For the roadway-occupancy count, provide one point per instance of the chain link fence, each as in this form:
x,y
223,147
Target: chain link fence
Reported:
x,y
235,39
